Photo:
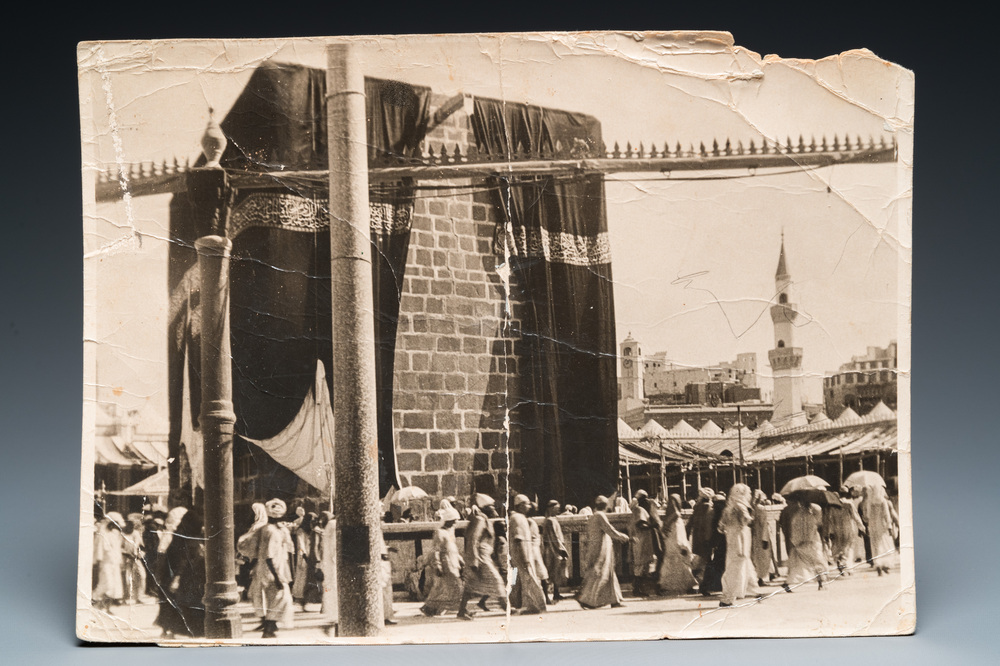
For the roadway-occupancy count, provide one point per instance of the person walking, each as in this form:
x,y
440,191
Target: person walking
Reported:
x,y
554,552
248,546
304,586
882,526
152,526
842,524
806,561
133,570
328,572
446,590
482,579
527,592
644,535
385,579
600,584
738,578
699,531
536,552
715,567
109,553
676,576
760,538
272,571
182,610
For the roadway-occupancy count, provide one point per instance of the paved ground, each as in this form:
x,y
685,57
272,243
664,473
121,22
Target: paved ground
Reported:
x,y
857,604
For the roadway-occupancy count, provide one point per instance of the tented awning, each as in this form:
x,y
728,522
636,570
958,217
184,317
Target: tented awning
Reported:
x,y
830,442
157,485
650,450
115,450
634,457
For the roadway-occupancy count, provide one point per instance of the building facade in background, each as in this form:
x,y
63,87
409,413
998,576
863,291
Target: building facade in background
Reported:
x,y
862,382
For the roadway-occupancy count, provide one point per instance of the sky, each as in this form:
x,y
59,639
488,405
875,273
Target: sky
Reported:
x,y
693,260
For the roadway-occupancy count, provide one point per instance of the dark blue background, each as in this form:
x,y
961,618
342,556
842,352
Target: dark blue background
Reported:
x,y
954,308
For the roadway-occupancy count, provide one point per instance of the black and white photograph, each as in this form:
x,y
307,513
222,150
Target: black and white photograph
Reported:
x,y
484,338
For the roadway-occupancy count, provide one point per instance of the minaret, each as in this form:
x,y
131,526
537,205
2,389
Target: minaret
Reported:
x,y
631,370
785,358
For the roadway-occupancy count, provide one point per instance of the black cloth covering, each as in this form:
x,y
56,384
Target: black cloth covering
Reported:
x,y
566,418
280,301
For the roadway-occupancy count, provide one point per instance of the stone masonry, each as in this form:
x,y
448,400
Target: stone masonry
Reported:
x,y
455,369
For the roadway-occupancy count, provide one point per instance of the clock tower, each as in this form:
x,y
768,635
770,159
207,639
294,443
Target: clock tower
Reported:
x,y
785,358
630,375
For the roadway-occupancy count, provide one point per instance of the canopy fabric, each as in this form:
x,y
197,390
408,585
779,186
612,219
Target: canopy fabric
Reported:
x,y
633,457
116,450
847,416
710,428
555,230
152,486
305,446
625,431
682,427
653,429
860,438
767,444
716,444
673,452
880,412
191,440
280,272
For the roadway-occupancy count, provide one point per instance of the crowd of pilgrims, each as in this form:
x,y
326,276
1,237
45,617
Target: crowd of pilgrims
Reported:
x,y
725,547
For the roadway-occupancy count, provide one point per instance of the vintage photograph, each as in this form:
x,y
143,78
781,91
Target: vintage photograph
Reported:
x,y
493,337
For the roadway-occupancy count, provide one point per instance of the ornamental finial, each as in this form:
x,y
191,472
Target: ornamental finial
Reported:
x,y
213,141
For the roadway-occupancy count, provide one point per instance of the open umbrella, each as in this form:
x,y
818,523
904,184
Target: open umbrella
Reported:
x,y
864,479
814,496
408,493
808,482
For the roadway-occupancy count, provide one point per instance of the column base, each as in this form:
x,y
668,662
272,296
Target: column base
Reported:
x,y
223,624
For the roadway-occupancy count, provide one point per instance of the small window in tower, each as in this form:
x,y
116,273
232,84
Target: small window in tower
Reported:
x,y
781,343
783,298
628,352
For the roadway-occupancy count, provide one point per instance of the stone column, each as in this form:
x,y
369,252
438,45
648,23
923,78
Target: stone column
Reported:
x,y
357,505
210,195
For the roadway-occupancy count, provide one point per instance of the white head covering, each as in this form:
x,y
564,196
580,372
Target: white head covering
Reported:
x,y
259,516
276,508
740,494
448,512
174,517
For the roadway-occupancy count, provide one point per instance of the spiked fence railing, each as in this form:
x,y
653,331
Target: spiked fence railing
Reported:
x,y
437,162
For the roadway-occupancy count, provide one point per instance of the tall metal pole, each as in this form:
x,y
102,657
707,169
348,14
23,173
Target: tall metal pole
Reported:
x,y
663,474
840,457
355,431
210,195
739,437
